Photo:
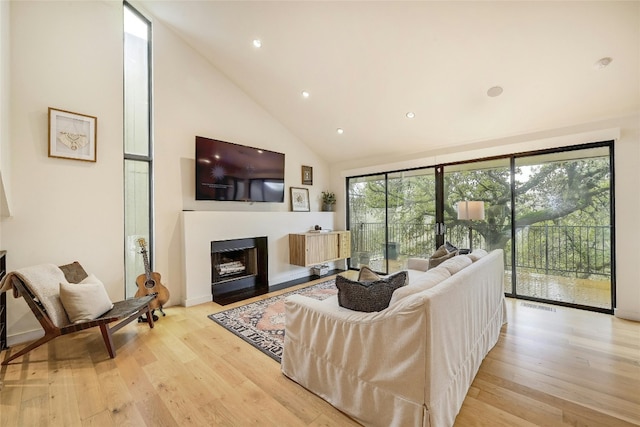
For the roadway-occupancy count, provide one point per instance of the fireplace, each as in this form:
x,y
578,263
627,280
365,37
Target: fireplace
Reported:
x,y
239,269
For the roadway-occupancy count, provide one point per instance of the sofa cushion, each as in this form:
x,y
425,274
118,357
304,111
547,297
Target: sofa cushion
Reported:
x,y
421,283
477,254
456,264
421,264
369,296
86,300
367,275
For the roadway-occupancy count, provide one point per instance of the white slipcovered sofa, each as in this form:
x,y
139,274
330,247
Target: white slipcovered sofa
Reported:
x,y
410,364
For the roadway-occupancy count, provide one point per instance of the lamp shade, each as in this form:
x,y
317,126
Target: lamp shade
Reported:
x,y
471,210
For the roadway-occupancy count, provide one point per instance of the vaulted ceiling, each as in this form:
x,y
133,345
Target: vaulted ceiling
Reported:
x,y
365,65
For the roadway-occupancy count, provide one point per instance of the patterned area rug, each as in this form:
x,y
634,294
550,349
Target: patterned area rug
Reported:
x,y
261,323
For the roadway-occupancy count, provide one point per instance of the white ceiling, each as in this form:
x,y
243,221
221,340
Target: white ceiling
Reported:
x,y
366,64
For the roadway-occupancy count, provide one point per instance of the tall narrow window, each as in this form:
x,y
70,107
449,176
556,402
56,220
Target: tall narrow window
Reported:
x,y
138,166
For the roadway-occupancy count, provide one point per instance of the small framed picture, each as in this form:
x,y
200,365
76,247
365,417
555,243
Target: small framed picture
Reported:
x,y
299,199
72,135
307,175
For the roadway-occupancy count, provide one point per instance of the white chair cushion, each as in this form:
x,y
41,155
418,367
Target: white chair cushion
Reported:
x,y
86,300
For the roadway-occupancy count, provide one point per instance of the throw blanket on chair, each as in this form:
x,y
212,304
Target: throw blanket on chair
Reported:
x,y
44,281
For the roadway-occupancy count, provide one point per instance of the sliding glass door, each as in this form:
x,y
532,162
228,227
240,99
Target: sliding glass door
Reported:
x,y
391,218
366,218
411,216
550,211
487,185
563,223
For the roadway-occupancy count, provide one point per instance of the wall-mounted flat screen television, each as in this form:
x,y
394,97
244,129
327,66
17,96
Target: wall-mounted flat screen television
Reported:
x,y
233,172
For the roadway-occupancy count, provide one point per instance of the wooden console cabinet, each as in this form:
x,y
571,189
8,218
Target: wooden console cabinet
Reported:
x,y
307,249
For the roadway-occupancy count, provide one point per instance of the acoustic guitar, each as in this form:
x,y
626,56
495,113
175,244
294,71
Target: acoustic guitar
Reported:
x,y
149,282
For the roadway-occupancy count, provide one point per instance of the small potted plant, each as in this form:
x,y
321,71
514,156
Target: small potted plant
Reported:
x,y
328,201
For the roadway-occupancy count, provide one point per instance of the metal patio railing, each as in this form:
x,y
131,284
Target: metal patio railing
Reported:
x,y
573,251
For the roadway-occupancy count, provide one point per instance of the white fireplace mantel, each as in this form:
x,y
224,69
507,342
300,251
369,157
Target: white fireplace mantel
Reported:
x,y
200,228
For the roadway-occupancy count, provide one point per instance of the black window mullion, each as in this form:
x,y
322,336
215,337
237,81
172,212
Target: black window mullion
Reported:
x,y
512,167
440,233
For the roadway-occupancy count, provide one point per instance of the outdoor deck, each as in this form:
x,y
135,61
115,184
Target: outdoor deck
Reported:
x,y
593,293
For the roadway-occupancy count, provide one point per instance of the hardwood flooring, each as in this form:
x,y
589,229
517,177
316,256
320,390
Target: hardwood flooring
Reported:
x,y
553,366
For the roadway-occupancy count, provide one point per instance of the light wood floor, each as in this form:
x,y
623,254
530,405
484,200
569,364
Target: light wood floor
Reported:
x,y
550,368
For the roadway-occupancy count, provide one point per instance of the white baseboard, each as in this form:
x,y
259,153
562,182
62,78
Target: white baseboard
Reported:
x,y
195,301
24,337
627,314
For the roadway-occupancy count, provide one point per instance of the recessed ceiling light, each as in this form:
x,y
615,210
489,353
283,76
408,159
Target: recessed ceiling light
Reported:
x,y
494,91
257,43
305,94
340,131
602,63
410,115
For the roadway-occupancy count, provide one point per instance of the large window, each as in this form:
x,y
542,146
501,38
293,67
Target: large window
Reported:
x,y
391,217
551,213
563,223
138,170
486,181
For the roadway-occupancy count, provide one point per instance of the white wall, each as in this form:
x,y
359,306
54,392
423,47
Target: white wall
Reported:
x,y
191,98
626,133
5,123
65,210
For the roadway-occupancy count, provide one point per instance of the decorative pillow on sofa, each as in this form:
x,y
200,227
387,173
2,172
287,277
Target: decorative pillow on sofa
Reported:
x,y
477,254
424,282
367,275
86,300
369,296
450,248
440,256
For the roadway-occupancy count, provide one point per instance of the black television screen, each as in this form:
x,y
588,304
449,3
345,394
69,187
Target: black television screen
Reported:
x,y
227,171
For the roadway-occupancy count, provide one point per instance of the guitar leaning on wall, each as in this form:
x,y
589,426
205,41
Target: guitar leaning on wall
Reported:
x,y
149,282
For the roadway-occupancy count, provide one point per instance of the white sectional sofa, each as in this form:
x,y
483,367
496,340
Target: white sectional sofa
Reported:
x,y
410,364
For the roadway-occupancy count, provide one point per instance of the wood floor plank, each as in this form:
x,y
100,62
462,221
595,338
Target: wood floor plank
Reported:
x,y
549,368
63,401
98,420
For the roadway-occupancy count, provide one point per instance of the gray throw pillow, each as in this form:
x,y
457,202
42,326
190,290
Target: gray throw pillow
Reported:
x,y
369,296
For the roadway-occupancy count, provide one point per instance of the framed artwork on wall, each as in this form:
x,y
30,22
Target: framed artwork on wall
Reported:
x,y
72,135
307,175
299,199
